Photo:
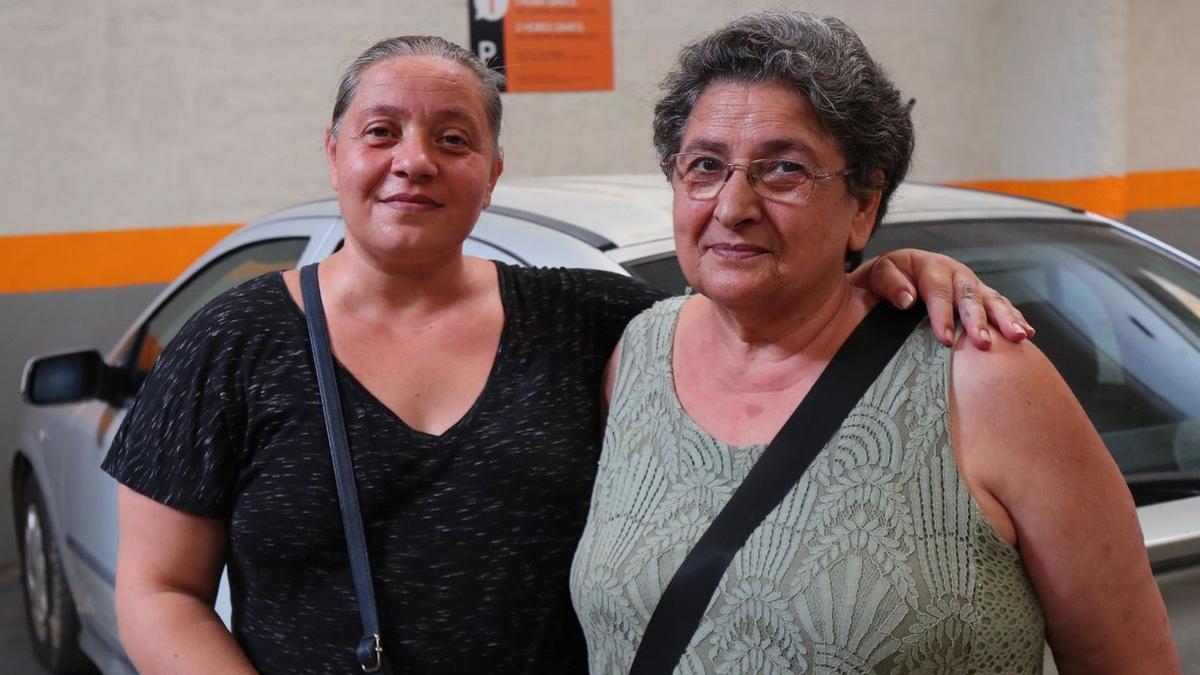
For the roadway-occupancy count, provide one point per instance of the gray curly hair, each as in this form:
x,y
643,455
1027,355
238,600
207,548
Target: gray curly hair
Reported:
x,y
490,82
822,59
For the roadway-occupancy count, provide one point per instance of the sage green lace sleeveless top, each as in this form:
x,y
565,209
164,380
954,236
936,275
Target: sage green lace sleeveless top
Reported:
x,y
878,561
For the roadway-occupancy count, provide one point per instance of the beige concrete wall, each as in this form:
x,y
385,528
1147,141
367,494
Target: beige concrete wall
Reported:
x,y
1164,86
131,113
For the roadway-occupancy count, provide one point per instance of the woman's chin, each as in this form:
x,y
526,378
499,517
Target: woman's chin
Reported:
x,y
408,252
738,291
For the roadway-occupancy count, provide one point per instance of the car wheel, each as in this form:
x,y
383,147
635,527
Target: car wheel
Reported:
x,y
49,610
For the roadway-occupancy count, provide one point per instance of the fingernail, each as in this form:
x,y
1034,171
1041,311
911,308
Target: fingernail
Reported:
x,y
986,335
1019,329
906,300
1030,330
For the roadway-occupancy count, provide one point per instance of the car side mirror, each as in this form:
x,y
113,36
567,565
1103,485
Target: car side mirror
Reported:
x,y
71,377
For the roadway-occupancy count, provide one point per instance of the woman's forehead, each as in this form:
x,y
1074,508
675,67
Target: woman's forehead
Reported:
x,y
755,116
420,81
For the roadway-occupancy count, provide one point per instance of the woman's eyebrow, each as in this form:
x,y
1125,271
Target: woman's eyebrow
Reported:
x,y
778,145
765,149
706,146
455,114
383,110
452,113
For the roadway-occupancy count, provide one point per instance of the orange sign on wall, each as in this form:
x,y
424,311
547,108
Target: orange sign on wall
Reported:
x,y
546,45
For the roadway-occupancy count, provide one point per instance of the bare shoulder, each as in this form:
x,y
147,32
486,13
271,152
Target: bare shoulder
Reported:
x,y
483,274
1019,367
1012,392
1009,389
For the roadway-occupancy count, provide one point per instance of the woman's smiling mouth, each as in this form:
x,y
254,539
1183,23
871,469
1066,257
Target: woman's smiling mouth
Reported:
x,y
411,202
736,251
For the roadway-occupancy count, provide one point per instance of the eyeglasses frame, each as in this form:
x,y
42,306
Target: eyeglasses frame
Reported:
x,y
669,163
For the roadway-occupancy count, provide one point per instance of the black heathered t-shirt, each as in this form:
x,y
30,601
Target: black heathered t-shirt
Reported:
x,y
470,533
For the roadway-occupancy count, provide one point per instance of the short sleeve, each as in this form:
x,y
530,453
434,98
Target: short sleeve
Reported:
x,y
609,301
175,444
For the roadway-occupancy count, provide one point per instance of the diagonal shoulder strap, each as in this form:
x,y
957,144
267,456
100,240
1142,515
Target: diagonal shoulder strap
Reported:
x,y
851,371
369,650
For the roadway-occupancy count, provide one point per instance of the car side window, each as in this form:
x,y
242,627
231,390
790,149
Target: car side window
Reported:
x,y
660,271
220,275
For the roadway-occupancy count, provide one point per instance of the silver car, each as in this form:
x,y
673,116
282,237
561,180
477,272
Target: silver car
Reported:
x,y
1117,312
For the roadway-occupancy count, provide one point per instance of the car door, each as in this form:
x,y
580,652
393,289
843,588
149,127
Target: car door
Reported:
x,y
89,493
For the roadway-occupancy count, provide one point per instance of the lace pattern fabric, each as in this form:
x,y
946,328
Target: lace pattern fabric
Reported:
x,y
878,561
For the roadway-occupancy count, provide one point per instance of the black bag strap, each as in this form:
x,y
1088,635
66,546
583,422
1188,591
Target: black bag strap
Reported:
x,y
369,650
851,371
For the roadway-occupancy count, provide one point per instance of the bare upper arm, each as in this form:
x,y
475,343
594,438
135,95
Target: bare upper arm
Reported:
x,y
162,549
1024,440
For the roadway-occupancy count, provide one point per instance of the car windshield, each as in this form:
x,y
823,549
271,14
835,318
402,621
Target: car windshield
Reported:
x,y
1120,320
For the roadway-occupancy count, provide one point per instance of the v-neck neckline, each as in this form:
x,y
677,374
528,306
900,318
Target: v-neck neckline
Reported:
x,y
489,385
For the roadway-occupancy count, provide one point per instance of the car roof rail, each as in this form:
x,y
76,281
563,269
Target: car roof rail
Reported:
x,y
582,234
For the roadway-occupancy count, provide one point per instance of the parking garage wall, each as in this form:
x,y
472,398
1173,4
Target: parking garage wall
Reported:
x,y
136,133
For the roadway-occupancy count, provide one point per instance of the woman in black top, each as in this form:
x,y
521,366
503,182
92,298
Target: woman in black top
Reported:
x,y
471,394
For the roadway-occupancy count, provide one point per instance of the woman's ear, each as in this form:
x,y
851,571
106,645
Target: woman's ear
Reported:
x,y
331,156
497,169
864,216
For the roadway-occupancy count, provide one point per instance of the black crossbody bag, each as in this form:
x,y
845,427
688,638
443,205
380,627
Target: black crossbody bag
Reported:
x,y
844,381
369,650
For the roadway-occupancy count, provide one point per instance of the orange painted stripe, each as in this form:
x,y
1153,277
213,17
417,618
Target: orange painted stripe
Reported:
x,y
1106,195
79,260
1152,190
1114,196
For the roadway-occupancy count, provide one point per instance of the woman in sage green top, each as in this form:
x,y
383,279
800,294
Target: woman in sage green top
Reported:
x,y
965,511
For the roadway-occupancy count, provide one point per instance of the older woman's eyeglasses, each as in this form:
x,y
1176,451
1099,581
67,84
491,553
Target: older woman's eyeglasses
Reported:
x,y
702,176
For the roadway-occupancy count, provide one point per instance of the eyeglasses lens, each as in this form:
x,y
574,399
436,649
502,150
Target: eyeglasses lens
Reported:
x,y
703,177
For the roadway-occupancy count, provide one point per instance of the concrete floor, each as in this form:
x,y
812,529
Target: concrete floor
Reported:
x,y
16,652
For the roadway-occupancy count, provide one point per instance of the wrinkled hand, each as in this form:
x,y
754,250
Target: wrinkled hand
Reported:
x,y
945,285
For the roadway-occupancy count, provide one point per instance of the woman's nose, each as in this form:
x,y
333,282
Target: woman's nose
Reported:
x,y
413,159
737,202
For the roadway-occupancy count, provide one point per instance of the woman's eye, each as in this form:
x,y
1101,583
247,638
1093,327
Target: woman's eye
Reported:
x,y
456,140
786,167
378,133
706,165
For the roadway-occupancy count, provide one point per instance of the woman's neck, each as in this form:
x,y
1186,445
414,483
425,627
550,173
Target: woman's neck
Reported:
x,y
757,349
361,287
